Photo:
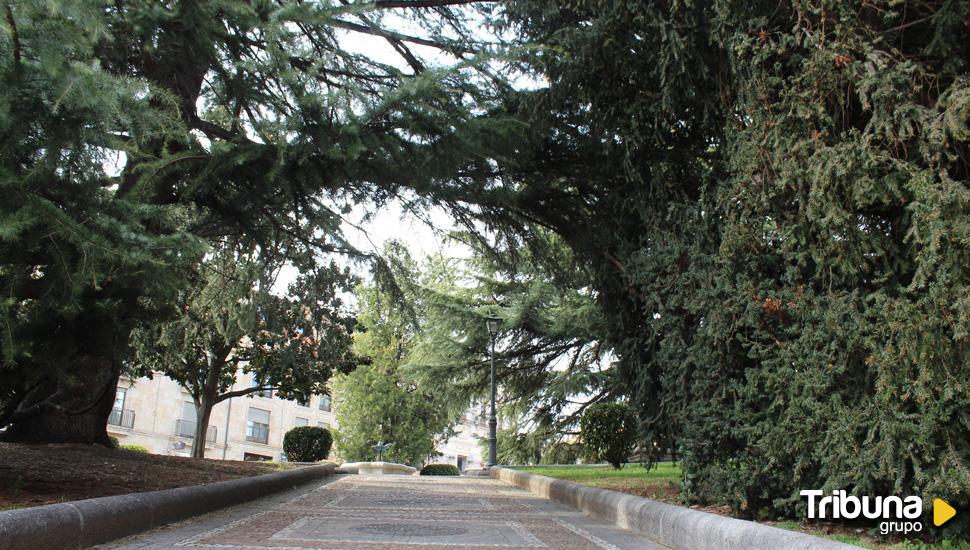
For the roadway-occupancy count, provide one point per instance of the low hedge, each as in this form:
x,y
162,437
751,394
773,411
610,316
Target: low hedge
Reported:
x,y
307,444
440,470
134,448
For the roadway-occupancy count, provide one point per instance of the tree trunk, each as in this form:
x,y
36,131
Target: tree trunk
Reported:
x,y
208,395
74,404
203,410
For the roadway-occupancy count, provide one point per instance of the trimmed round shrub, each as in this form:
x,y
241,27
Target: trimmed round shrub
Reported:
x,y
307,444
135,448
113,442
609,432
440,470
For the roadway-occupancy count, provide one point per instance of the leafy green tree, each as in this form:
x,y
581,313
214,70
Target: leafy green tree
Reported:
x,y
610,433
131,132
231,322
551,359
375,402
515,447
74,254
771,200
562,452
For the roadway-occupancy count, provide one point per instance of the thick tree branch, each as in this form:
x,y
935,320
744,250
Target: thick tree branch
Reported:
x,y
386,4
15,35
215,131
240,393
376,31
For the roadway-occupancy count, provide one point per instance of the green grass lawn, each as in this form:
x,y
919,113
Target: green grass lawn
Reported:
x,y
664,470
662,482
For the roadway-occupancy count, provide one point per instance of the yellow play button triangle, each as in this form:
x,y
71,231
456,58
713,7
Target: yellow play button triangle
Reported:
x,y
942,512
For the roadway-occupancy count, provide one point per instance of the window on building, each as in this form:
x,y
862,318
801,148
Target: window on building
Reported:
x,y
119,416
257,425
188,411
120,395
303,402
323,425
185,426
253,457
301,421
324,404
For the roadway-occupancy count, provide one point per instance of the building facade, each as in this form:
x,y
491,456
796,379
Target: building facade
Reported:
x,y
159,415
464,448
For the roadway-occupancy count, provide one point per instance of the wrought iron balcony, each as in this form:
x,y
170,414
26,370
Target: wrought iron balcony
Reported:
x,y
186,428
122,417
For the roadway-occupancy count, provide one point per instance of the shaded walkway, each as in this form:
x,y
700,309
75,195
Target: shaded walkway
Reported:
x,y
407,512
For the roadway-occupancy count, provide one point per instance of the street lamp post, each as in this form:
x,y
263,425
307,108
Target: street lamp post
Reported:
x,y
493,323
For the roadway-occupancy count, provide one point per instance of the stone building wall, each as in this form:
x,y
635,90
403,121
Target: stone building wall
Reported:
x,y
150,411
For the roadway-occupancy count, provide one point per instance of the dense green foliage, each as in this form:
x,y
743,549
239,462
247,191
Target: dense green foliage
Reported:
x,y
750,219
307,444
551,361
440,470
376,403
73,253
135,133
517,445
514,447
772,199
610,433
134,448
561,452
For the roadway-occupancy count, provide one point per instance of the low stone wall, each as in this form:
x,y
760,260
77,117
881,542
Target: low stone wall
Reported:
x,y
84,523
674,526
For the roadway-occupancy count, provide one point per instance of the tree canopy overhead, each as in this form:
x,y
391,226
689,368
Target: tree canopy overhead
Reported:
x,y
770,204
227,119
762,207
773,200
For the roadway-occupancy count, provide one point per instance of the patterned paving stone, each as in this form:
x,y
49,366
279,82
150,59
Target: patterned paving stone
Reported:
x,y
400,512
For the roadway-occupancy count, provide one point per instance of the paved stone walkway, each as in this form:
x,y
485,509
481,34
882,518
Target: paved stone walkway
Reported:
x,y
401,512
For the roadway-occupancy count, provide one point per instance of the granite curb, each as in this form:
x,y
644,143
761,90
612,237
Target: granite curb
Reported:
x,y
667,524
84,523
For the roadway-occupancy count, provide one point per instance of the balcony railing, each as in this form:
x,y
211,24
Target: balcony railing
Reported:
x,y
186,428
257,432
122,417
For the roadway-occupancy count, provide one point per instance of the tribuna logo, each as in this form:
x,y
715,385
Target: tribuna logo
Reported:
x,y
897,513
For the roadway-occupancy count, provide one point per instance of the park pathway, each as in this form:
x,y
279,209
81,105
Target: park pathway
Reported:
x,y
401,512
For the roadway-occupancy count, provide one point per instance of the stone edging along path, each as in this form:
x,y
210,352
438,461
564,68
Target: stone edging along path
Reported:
x,y
84,523
667,524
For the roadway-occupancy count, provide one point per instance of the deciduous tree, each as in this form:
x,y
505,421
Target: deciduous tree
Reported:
x,y
230,321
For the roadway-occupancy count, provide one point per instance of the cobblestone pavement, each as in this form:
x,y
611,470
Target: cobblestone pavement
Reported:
x,y
401,512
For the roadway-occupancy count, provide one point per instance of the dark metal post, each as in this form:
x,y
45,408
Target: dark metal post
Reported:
x,y
491,419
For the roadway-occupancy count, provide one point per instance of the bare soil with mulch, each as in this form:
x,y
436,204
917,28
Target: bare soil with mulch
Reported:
x,y
33,475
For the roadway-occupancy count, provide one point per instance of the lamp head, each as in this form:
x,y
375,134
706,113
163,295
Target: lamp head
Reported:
x,y
493,323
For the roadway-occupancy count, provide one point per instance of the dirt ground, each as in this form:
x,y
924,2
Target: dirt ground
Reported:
x,y
32,475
